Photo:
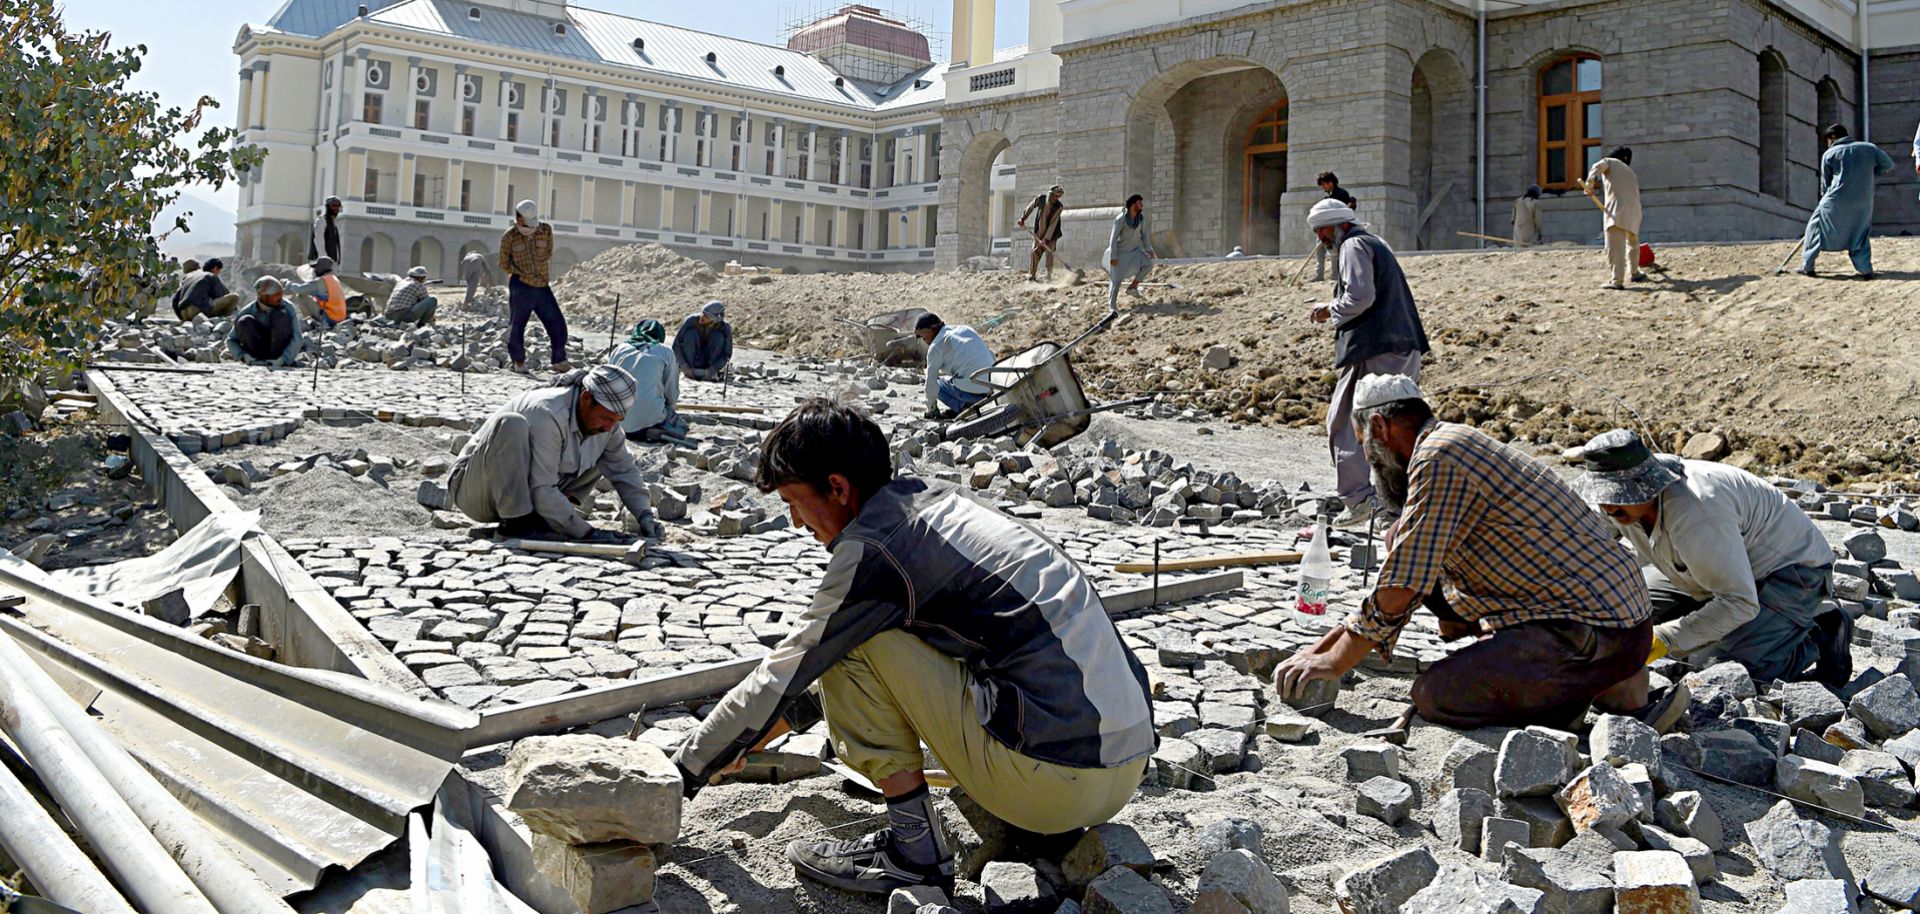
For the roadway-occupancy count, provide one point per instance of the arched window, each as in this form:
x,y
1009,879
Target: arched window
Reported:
x,y
1264,174
1570,124
1773,124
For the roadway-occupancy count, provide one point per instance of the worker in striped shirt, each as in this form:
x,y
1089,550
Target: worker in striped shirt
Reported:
x,y
1499,548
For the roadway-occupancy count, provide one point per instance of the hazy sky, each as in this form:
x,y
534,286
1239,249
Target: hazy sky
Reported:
x,y
190,47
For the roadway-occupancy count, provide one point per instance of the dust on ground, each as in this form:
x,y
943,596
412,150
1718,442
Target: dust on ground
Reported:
x,y
1800,376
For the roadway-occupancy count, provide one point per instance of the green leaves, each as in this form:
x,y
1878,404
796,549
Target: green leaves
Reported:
x,y
85,166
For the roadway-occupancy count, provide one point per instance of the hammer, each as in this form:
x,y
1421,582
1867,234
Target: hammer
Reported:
x,y
1395,734
633,553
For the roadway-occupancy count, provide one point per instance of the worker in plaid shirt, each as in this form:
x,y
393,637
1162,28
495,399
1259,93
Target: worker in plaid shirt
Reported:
x,y
1557,602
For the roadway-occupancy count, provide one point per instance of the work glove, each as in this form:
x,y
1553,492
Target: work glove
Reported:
x,y
603,535
1659,649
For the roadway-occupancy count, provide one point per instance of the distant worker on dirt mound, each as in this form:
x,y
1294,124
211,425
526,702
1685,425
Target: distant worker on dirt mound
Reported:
x,y
657,383
1737,572
1526,218
1522,558
478,273
266,332
526,253
1614,174
537,459
704,343
1048,226
955,352
940,621
1330,185
1129,252
1844,219
1377,331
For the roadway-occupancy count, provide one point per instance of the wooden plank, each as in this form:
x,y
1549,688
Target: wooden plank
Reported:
x,y
594,705
1204,562
631,553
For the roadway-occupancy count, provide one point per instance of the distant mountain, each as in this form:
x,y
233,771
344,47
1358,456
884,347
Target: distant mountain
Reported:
x,y
211,227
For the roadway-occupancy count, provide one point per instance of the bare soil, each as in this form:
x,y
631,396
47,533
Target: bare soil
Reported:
x,y
1807,377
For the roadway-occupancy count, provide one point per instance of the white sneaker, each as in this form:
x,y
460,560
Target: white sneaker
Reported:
x,y
1135,292
1358,513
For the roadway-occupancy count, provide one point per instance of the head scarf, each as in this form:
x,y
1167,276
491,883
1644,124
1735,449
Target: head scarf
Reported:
x,y
529,212
647,333
1330,212
715,310
612,387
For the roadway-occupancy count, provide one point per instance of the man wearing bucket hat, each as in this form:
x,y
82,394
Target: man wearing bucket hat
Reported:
x,y
535,462
1520,557
704,343
651,363
1736,572
410,302
1377,331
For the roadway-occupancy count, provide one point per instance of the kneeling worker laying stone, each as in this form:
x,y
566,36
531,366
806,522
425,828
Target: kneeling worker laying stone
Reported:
x,y
1738,572
940,621
537,459
1524,559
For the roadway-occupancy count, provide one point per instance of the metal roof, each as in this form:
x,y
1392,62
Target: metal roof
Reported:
x,y
607,39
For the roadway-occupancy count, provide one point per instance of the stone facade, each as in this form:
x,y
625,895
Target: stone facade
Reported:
x,y
971,137
1896,109
1722,105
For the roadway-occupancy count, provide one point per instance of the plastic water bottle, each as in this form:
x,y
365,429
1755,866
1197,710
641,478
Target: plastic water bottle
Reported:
x,y
1316,573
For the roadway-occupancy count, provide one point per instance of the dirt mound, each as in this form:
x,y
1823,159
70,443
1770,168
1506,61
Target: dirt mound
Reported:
x,y
651,281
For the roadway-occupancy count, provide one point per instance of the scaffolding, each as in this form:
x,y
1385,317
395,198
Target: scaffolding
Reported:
x,y
803,32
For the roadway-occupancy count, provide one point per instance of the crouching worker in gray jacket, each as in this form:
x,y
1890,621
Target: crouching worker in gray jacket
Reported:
x,y
938,620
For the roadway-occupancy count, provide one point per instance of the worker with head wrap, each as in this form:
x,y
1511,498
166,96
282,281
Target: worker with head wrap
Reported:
x,y
656,380
526,250
704,343
534,464
266,332
1377,330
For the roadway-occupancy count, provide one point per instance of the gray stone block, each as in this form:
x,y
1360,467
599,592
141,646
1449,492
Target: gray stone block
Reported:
x,y
1618,740
1653,882
1599,797
1316,699
1384,798
1102,848
1736,755
1498,833
1370,759
1865,545
1382,885
585,789
1687,812
1818,896
1896,882
1792,845
1462,890
1808,744
1820,783
1699,858
1884,781
1570,885
1014,888
1457,817
1889,708
1532,764
1122,891
1238,881
1547,825
1467,764
1222,835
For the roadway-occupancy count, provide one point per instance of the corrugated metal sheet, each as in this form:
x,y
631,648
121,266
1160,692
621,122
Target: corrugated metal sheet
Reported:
x,y
315,18
607,39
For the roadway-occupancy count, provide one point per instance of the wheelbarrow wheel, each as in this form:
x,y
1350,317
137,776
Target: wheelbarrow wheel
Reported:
x,y
998,422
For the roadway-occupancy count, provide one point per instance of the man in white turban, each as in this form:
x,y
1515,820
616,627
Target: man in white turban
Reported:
x,y
1377,330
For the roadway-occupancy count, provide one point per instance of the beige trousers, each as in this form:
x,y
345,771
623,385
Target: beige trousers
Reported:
x,y
896,691
1623,254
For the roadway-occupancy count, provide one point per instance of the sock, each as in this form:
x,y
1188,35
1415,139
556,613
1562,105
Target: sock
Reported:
x,y
911,822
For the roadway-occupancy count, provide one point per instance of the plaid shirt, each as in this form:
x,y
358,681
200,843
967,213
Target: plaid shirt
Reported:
x,y
407,293
526,256
1513,543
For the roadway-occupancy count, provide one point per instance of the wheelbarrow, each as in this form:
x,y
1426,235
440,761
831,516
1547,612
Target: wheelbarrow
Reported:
x,y
1035,395
889,337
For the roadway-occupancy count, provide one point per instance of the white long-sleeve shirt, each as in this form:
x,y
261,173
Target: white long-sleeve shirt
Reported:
x,y
957,351
1720,531
1357,293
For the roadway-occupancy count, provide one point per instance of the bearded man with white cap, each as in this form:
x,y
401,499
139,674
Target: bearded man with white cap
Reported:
x,y
1492,541
525,252
1377,331
1736,571
535,462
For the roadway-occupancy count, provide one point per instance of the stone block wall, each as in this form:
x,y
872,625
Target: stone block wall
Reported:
x,y
970,136
1896,112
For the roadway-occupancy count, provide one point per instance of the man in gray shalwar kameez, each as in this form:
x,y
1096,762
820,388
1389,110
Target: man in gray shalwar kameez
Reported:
x,y
1844,218
1376,331
1129,252
535,462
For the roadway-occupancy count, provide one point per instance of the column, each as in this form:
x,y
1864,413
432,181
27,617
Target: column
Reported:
x,y
739,215
412,94
355,87
586,200
813,169
586,117
741,148
666,208
457,96
404,192
703,214
543,194
357,182
501,205
630,131
627,193
456,172
806,226
257,101
669,109
840,236
243,116
549,97
920,153
779,147
900,141
506,80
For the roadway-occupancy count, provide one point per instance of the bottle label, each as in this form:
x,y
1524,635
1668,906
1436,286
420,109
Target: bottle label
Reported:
x,y
1312,596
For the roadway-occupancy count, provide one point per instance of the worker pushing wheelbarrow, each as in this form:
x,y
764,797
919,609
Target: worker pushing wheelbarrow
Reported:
x,y
1034,395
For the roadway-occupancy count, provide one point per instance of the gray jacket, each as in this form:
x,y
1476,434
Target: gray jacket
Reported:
x,y
1049,674
289,356
560,452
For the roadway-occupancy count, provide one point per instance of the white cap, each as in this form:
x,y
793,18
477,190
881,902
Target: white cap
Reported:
x,y
1376,389
1331,212
528,209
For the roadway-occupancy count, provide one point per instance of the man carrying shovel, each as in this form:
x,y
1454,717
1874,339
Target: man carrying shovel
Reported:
x,y
1046,211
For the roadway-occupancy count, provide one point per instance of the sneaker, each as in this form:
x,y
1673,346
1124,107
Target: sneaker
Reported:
x,y
867,865
1865,275
1640,277
1614,286
1808,273
1665,709
1358,513
519,368
1135,292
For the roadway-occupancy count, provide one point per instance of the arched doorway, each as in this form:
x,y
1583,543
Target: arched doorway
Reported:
x,y
427,253
1188,132
974,205
376,254
291,249
1263,180
1773,124
1440,153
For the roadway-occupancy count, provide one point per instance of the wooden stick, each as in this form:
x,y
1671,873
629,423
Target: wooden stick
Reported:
x,y
1303,264
718,408
1782,268
1489,238
1204,562
630,553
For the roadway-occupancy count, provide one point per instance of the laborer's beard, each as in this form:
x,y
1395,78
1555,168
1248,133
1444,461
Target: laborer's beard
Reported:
x,y
1390,480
